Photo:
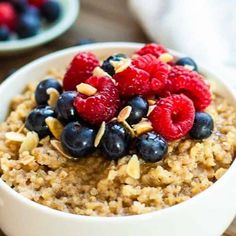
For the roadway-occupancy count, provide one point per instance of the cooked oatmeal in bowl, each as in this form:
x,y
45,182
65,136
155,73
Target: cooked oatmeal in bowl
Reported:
x,y
120,135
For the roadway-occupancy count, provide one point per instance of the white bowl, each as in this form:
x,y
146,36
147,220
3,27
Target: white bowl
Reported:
x,y
207,214
70,9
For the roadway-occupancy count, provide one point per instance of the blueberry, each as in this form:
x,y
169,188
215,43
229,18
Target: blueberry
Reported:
x,y
115,141
108,67
36,120
41,95
64,107
20,5
151,147
139,109
202,127
187,61
78,140
4,33
51,10
33,11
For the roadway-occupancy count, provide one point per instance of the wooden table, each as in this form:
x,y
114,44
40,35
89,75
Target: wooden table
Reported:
x,y
103,20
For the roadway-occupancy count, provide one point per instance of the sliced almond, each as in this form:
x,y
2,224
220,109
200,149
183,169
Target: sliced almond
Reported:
x,y
133,167
21,128
129,128
53,96
124,113
151,102
100,133
121,65
86,89
15,137
189,67
166,57
55,126
57,145
142,127
150,109
98,71
30,142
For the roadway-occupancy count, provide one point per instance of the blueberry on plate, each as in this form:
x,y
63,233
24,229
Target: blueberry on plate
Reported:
x,y
108,67
139,109
51,10
187,61
65,109
36,120
151,147
4,33
115,141
202,127
33,11
77,140
41,95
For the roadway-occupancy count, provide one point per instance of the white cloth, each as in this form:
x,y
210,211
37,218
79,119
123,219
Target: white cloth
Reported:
x,y
202,29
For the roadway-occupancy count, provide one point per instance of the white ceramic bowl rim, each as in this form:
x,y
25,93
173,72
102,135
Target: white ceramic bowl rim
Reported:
x,y
101,219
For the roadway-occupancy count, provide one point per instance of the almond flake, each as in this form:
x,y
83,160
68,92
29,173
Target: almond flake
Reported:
x,y
14,136
121,65
57,145
21,128
54,126
86,89
27,160
188,67
128,127
150,109
124,113
100,133
53,96
98,71
166,57
142,127
30,142
133,167
151,102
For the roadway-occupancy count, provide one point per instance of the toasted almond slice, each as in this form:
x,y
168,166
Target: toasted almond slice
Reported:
x,y
30,142
129,128
133,167
86,89
124,113
15,137
100,133
166,57
189,67
150,109
134,56
121,65
151,102
53,96
57,145
98,71
21,128
142,127
55,126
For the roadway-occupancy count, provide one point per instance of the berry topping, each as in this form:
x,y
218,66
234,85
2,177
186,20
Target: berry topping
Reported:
x,y
102,106
8,15
190,83
80,69
37,3
115,141
4,33
132,81
152,48
51,10
64,108
36,120
202,127
151,147
173,116
78,140
108,67
41,95
188,62
139,109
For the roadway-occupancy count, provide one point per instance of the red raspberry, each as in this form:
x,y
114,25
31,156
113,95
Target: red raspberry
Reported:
x,y
152,48
190,83
37,3
173,116
103,106
80,69
132,81
7,15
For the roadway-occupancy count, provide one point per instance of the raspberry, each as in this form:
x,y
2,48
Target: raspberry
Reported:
x,y
152,48
103,106
7,15
173,116
80,69
132,81
190,83
37,3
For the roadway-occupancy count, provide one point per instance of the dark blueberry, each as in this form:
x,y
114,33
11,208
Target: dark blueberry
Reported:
x,y
4,33
64,107
115,141
28,25
202,127
77,140
20,5
33,11
51,10
41,95
108,67
187,61
151,147
36,120
86,41
139,109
